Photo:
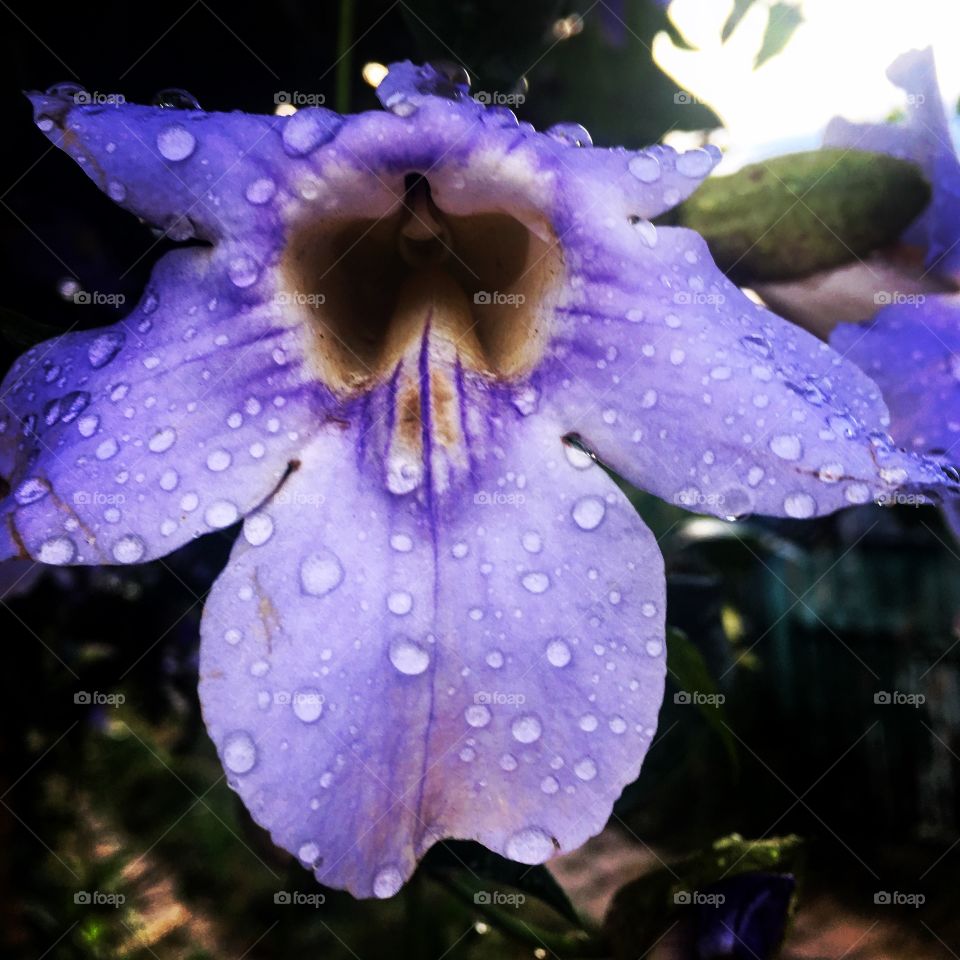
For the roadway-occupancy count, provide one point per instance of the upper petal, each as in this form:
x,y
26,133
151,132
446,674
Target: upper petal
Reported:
x,y
120,444
693,392
380,671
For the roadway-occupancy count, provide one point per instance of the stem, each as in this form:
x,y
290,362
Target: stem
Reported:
x,y
344,75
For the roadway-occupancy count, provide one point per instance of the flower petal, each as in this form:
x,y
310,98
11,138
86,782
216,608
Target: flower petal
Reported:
x,y
123,443
912,351
925,139
693,392
378,674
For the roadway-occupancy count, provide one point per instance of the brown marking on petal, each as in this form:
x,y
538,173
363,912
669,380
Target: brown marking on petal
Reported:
x,y
22,552
267,613
444,410
409,424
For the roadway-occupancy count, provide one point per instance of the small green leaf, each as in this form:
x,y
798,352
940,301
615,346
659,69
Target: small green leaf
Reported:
x,y
798,214
686,666
740,7
781,25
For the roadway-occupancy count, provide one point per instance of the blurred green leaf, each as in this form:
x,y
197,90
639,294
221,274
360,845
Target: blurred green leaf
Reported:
x,y
798,214
22,331
782,22
740,8
689,670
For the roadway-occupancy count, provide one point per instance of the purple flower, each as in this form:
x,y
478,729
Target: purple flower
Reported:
x,y
912,346
440,619
923,138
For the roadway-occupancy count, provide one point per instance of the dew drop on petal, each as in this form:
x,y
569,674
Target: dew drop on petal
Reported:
x,y
320,572
57,551
526,729
221,513
694,163
585,769
308,705
309,853
530,845
494,659
558,653
799,505
399,603
645,168
175,142
588,513
401,543
30,491
787,446
857,493
162,440
536,582
388,880
549,785
243,271
261,191
408,657
129,549
104,348
477,715
508,762
239,752
257,529
531,542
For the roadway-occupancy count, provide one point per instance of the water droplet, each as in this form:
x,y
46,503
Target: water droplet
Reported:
x,y
536,582
460,550
388,880
618,725
243,271
570,134
175,98
647,231
320,572
787,446
549,785
526,729
401,543
104,348
526,400
400,603
558,653
129,549
162,440
585,769
106,449
57,551
857,493
218,460
31,490
645,168
257,529
73,405
221,513
530,845
588,512
408,657
494,659
831,472
308,129
477,715
116,191
175,142
532,542
308,704
239,752
508,762
694,163
589,723
799,505
261,191
309,853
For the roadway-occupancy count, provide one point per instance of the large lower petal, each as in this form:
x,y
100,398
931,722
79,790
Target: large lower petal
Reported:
x,y
693,392
379,671
120,444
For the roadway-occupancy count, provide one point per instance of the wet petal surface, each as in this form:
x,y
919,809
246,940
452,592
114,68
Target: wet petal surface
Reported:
x,y
378,675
